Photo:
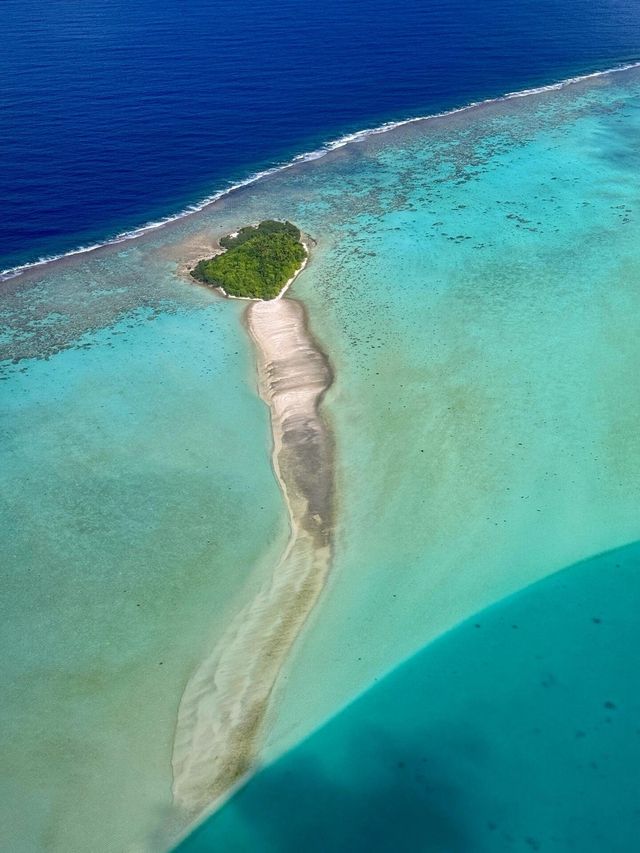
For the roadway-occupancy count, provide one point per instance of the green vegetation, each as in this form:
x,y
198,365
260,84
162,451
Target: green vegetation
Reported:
x,y
258,261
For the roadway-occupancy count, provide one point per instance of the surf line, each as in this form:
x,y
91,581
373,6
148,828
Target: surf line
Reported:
x,y
224,704
346,139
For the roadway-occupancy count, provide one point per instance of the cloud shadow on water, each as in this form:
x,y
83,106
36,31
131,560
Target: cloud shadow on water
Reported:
x,y
517,731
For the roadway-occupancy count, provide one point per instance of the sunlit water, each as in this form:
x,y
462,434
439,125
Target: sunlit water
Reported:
x,y
475,286
115,114
136,509
518,731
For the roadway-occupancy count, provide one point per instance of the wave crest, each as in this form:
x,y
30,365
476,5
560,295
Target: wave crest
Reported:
x,y
340,142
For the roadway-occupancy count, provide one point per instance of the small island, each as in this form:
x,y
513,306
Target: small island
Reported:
x,y
225,703
258,262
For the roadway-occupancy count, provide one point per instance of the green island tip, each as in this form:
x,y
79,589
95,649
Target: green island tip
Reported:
x,y
257,263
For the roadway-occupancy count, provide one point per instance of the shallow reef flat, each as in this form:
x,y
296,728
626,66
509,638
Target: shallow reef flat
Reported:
x,y
125,540
474,283
515,731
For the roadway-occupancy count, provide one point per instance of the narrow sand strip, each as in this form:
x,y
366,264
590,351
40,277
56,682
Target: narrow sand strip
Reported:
x,y
226,699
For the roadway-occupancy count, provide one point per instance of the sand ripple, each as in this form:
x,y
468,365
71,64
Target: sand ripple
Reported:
x,y
225,700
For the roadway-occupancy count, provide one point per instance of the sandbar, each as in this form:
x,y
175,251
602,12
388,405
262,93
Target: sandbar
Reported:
x,y
224,704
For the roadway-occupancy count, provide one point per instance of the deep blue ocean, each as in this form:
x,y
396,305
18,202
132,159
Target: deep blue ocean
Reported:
x,y
114,114
485,417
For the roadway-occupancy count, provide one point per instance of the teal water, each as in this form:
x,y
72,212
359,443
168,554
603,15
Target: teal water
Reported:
x,y
517,731
475,285
478,289
125,537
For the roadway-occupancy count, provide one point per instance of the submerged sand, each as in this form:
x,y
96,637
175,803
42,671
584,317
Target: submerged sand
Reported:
x,y
226,699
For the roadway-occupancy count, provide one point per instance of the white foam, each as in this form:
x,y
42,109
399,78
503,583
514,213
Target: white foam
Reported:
x,y
341,142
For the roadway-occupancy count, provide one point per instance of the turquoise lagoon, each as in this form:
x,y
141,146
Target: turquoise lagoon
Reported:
x,y
475,284
516,731
135,510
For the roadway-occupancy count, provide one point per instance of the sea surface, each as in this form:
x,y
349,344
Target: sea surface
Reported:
x,y
517,731
115,114
475,285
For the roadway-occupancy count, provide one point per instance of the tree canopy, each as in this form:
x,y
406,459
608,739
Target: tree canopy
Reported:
x,y
258,261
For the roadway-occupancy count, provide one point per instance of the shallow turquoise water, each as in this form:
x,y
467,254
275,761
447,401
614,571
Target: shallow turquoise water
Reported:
x,y
475,284
134,515
517,731
479,292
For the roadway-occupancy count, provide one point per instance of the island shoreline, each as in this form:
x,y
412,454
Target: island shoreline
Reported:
x,y
24,271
